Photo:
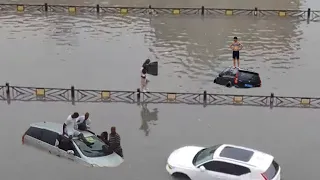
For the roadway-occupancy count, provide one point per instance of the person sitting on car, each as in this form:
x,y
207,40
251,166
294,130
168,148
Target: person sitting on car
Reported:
x,y
83,122
70,130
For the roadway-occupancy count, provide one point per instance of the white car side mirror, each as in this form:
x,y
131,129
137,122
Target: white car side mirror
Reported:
x,y
202,168
70,152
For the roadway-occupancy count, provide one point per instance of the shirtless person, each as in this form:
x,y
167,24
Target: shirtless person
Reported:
x,y
236,46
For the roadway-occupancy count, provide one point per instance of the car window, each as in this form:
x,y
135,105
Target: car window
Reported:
x,y
95,150
49,137
272,170
205,155
34,132
224,71
243,75
226,168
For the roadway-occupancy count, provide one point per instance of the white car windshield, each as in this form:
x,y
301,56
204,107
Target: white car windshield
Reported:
x,y
95,150
205,155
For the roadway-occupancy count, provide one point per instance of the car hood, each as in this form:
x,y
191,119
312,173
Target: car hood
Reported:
x,y
183,157
112,160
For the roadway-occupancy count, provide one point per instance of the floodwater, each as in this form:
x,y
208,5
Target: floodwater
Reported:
x,y
291,135
106,52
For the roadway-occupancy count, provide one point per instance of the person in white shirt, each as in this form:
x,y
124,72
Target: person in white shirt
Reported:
x,y
144,80
70,126
83,122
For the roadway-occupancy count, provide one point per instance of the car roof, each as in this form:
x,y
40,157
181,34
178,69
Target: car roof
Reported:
x,y
247,157
55,127
241,69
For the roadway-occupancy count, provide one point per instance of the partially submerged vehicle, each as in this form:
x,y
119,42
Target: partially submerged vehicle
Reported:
x,y
222,161
47,136
239,78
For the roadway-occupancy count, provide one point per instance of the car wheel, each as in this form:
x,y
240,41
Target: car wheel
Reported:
x,y
229,84
180,176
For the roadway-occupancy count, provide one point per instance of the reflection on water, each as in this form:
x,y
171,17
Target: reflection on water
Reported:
x,y
148,118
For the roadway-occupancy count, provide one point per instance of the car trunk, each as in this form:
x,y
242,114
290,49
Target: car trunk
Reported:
x,y
248,79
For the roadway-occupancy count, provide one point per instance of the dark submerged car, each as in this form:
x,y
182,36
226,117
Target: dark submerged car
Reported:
x,y
238,78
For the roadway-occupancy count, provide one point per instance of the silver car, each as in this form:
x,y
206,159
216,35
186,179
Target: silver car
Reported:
x,y
47,136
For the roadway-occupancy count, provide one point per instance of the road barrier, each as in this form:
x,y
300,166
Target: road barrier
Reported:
x,y
203,11
18,93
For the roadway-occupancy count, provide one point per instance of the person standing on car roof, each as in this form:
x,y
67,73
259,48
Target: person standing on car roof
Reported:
x,y
236,46
83,122
69,128
114,141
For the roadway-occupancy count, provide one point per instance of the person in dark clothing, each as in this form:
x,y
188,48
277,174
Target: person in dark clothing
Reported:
x,y
106,148
83,122
145,64
64,143
104,137
114,141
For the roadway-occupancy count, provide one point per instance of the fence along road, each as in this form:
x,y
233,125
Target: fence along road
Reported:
x,y
28,94
203,11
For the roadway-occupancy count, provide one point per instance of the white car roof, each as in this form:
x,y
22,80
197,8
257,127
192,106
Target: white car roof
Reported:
x,y
55,127
243,156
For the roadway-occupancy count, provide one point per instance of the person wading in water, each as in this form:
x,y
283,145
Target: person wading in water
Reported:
x,y
236,46
114,142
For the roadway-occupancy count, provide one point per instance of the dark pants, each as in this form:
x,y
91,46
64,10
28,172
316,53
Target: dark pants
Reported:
x,y
235,54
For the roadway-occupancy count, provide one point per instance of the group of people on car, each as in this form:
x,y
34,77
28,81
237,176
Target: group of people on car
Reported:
x,y
76,123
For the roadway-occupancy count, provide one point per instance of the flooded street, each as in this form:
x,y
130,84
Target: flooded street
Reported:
x,y
106,53
291,135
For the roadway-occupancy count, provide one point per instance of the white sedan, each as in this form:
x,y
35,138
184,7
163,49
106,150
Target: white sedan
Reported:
x,y
222,162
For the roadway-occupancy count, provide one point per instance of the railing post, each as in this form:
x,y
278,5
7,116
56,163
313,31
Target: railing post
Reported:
x,y
98,8
271,100
72,95
46,7
202,10
255,12
8,93
138,94
308,14
204,98
8,89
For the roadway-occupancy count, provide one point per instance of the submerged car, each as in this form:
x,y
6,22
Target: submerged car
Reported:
x,y
238,78
225,161
47,136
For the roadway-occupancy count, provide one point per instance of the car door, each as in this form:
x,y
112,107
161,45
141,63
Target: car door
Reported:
x,y
218,170
50,141
210,172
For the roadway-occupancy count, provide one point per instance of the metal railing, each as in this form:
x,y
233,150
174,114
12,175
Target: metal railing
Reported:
x,y
18,93
307,14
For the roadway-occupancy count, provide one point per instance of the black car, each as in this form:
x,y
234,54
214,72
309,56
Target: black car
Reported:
x,y
238,78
